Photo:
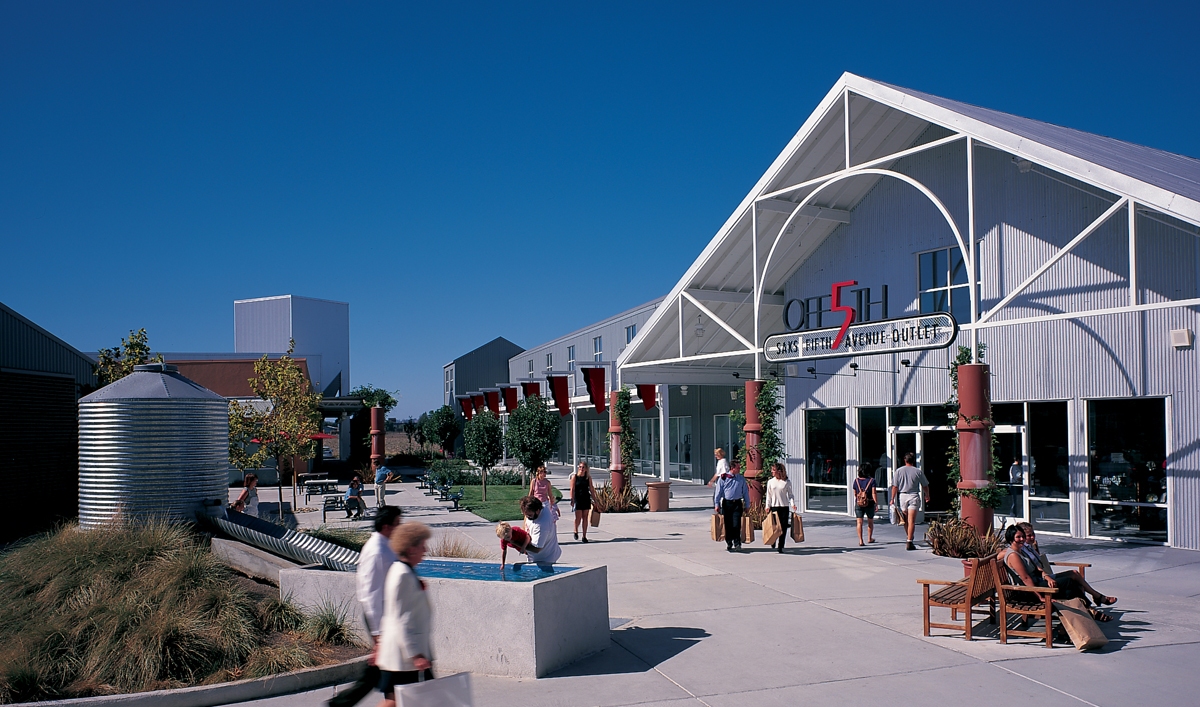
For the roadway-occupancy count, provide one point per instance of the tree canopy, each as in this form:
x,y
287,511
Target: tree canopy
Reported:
x,y
484,443
118,362
533,432
441,428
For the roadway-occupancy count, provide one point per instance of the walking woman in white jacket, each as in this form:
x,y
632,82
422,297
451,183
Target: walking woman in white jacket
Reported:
x,y
404,640
780,499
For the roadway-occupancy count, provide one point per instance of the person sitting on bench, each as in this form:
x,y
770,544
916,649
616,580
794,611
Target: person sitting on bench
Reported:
x,y
354,499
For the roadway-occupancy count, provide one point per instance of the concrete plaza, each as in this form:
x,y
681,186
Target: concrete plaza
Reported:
x,y
827,621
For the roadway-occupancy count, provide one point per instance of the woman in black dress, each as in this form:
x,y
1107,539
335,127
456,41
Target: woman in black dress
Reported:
x,y
582,492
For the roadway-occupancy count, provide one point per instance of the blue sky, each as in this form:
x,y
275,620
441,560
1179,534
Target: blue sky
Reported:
x,y
458,172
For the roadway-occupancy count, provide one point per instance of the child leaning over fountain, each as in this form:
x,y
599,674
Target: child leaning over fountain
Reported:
x,y
516,538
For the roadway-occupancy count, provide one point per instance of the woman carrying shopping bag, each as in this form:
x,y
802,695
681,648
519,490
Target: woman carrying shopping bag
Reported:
x,y
404,656
780,500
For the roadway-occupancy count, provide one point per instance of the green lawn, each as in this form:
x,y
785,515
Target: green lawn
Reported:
x,y
504,502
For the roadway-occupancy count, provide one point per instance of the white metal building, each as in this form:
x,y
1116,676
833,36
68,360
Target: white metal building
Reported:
x,y
321,329
1074,258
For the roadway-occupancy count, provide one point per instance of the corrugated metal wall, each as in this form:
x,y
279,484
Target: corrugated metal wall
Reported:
x,y
1022,219
25,346
262,326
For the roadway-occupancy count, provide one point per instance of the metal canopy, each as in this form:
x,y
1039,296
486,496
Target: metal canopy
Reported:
x,y
708,326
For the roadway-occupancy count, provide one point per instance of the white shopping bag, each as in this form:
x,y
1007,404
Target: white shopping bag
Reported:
x,y
451,691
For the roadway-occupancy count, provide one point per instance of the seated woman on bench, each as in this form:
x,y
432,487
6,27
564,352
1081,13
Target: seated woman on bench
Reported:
x,y
1025,568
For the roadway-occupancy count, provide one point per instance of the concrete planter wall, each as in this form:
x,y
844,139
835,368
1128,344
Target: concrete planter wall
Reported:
x,y
511,629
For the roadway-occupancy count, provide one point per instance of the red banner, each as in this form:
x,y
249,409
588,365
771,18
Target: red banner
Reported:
x,y
531,388
477,399
510,398
493,401
468,410
594,378
558,391
647,392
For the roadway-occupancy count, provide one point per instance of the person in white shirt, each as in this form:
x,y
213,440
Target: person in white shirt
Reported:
x,y
374,561
539,523
722,465
404,654
780,499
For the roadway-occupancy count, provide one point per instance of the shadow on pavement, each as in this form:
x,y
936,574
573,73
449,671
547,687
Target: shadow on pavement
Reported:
x,y
635,650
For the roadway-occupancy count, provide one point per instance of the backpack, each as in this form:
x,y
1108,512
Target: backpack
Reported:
x,y
863,496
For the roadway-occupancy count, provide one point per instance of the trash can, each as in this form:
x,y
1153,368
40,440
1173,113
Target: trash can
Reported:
x,y
660,495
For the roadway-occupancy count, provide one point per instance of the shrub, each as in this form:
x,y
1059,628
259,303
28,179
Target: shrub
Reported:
x,y
628,501
956,538
460,547
329,624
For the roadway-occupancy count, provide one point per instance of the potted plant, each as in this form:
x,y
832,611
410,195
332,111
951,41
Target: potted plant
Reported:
x,y
956,538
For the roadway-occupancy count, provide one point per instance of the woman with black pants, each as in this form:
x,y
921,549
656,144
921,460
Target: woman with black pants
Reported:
x,y
780,499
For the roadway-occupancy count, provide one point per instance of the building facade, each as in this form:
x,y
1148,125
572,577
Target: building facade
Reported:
x,y
321,329
1069,262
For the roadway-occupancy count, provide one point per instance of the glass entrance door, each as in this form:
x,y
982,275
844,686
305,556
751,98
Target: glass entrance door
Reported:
x,y
1010,450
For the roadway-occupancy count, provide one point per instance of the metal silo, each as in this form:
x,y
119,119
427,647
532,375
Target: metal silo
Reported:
x,y
152,444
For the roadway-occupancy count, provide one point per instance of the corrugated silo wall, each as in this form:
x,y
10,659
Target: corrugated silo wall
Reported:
x,y
1022,220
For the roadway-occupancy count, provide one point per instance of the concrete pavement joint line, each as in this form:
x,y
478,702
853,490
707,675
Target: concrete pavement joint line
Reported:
x,y
681,687
1049,687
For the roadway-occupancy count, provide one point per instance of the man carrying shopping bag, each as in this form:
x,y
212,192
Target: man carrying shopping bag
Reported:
x,y
730,499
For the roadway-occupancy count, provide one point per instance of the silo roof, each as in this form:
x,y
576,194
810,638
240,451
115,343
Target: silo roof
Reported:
x,y
152,381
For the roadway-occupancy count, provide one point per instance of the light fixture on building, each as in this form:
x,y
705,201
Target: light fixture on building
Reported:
x,y
1182,338
1023,166
791,370
733,395
699,326
683,389
737,375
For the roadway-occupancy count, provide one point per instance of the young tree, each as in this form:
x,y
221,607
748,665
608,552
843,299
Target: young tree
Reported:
x,y
409,426
484,443
285,428
372,396
419,433
118,362
533,432
441,428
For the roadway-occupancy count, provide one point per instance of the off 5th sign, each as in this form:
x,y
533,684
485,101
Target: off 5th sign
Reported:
x,y
936,330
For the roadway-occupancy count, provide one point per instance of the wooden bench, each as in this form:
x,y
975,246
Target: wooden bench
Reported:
x,y
976,589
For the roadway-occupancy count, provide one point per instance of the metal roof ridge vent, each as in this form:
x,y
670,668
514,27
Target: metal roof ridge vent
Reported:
x,y
157,367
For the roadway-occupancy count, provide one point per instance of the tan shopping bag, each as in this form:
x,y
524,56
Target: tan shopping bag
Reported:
x,y
451,691
594,518
797,528
717,527
1085,633
771,529
747,530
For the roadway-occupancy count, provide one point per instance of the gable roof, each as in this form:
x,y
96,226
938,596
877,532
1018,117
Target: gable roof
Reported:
x,y
883,122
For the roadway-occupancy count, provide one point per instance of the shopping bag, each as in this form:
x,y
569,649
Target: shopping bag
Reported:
x,y
451,691
797,528
747,530
1085,633
594,518
771,529
717,527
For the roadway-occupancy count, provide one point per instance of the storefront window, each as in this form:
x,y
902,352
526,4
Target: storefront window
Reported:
x,y
1048,463
903,416
680,430
873,443
937,415
826,460
646,457
1008,413
1127,480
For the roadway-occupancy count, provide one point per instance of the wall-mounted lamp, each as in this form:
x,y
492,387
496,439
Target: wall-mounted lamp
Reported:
x,y
811,370
737,375
909,364
699,326
683,389
733,395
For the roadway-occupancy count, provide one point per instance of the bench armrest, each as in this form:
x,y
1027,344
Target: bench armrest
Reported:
x,y
939,581
1072,564
1022,588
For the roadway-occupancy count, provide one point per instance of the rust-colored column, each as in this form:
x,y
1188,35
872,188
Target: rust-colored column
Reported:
x,y
974,441
377,436
753,430
616,466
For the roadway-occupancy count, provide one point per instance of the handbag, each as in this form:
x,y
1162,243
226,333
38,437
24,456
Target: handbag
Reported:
x,y
450,691
771,529
594,518
717,527
1085,633
797,528
747,530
